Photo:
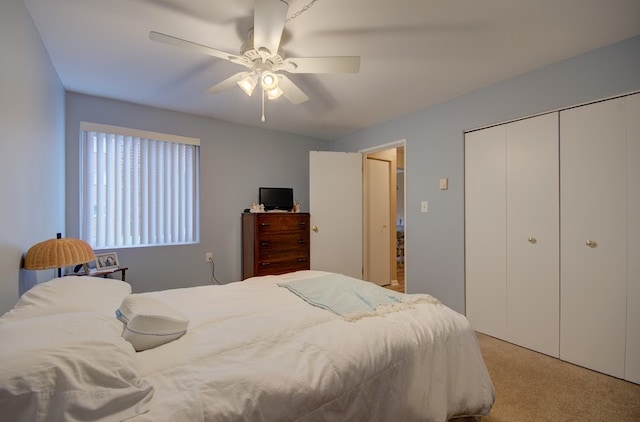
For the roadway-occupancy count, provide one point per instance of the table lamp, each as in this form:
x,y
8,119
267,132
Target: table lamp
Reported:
x,y
58,253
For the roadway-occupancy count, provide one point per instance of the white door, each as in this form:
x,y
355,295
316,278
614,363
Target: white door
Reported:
x,y
593,188
533,261
511,232
632,366
379,226
335,204
485,231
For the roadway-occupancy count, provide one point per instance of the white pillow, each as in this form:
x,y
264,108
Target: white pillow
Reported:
x,y
69,367
149,322
71,294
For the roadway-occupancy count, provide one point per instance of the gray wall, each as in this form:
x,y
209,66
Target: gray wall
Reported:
x,y
31,149
434,149
234,161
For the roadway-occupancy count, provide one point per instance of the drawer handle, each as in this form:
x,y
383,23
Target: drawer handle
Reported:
x,y
265,243
264,224
302,241
265,264
303,223
302,259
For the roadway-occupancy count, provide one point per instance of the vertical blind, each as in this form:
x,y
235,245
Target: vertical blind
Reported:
x,y
138,188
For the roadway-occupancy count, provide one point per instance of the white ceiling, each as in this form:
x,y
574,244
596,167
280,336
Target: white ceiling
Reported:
x,y
414,53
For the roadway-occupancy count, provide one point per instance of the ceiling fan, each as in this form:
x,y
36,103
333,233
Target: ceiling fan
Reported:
x,y
262,56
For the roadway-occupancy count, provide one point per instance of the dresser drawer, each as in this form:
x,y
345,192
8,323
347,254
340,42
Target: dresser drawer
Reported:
x,y
278,263
273,254
282,242
278,223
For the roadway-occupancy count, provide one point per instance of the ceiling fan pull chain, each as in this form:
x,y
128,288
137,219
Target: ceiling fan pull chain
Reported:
x,y
301,11
263,118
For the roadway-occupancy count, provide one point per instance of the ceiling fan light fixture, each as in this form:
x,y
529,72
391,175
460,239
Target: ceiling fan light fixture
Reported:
x,y
248,84
274,93
269,81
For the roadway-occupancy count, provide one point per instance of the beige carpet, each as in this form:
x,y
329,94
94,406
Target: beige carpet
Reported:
x,y
534,387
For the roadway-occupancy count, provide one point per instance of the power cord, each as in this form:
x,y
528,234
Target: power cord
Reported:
x,y
213,276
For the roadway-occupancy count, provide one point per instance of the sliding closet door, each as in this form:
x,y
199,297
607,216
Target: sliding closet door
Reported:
x,y
593,187
632,366
533,271
485,231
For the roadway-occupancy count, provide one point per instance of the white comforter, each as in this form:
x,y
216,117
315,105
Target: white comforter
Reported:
x,y
257,352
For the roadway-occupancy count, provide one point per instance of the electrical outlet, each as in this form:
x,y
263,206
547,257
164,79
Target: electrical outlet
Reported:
x,y
208,257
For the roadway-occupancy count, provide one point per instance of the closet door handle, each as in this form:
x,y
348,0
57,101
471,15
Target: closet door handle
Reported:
x,y
532,239
591,243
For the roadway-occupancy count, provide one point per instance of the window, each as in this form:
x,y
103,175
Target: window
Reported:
x,y
138,188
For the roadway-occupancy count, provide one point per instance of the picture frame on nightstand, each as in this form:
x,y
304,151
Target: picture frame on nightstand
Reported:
x,y
107,261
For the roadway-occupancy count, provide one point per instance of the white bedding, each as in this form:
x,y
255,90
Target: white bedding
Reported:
x,y
257,352
254,351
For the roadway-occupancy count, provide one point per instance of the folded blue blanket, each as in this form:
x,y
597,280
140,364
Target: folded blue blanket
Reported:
x,y
343,295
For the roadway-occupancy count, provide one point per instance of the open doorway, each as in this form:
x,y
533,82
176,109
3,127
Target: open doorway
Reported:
x,y
400,220
384,216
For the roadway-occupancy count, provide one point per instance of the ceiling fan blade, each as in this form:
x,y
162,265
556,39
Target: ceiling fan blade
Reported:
x,y
417,31
344,64
268,23
291,92
230,82
179,42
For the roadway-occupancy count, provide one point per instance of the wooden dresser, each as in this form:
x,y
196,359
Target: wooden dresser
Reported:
x,y
274,243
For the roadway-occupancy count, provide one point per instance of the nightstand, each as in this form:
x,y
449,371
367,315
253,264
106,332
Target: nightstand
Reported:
x,y
104,273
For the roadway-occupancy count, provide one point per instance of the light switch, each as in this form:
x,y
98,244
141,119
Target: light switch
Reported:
x,y
424,206
444,183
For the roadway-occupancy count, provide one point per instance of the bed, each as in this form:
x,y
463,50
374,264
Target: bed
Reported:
x,y
271,348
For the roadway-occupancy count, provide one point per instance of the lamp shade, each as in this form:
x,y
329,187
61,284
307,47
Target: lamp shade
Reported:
x,y
57,253
274,93
248,84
